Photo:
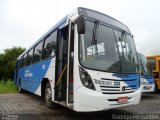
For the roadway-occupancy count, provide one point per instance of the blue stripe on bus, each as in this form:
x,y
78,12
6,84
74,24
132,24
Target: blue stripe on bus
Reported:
x,y
132,80
31,76
150,79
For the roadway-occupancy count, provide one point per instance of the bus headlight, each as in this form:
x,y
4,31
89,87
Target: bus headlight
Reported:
x,y
86,79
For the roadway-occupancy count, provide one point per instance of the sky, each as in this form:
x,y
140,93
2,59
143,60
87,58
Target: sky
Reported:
x,y
22,22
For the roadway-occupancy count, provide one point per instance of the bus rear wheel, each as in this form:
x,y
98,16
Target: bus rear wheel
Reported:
x,y
20,90
48,96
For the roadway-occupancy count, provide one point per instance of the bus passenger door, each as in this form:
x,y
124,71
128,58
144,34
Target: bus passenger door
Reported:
x,y
64,65
70,76
61,64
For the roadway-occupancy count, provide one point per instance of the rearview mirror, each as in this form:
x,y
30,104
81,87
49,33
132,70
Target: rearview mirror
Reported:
x,y
81,25
53,54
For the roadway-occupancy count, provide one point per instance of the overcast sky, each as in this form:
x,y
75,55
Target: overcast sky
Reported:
x,y
22,22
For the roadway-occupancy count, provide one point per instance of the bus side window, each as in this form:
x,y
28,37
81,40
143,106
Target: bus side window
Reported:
x,y
50,46
37,52
29,57
24,60
21,62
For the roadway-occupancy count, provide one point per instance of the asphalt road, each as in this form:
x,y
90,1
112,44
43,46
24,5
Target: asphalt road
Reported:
x,y
31,107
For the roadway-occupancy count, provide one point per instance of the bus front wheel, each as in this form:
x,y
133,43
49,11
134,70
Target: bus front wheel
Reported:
x,y
48,96
156,90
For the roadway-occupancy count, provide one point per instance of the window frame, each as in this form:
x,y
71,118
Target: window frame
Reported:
x,y
113,28
24,60
21,61
40,42
27,64
44,41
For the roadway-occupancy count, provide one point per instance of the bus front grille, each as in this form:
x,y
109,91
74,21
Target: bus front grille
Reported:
x,y
117,90
110,86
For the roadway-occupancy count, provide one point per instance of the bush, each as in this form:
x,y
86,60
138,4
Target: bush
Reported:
x,y
7,86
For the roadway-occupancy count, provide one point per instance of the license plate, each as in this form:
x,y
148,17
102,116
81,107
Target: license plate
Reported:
x,y
123,99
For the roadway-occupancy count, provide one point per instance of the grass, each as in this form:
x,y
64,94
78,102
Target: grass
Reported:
x,y
7,87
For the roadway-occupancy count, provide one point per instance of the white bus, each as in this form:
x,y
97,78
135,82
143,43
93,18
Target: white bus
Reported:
x,y
146,77
86,62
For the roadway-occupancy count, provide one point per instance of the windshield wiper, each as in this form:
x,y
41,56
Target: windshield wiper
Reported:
x,y
95,33
95,36
121,39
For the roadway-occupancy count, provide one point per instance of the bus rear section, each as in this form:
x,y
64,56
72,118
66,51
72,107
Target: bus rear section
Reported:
x,y
145,71
93,65
155,63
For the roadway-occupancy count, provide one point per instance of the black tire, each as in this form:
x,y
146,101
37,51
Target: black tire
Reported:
x,y
20,90
48,96
156,90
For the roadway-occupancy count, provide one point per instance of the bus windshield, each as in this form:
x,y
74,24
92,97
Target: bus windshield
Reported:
x,y
145,67
113,51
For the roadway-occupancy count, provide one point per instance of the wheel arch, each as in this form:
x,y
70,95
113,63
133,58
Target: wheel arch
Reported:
x,y
43,85
19,82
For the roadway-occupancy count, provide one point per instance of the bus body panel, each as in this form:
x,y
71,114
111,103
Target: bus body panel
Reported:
x,y
31,76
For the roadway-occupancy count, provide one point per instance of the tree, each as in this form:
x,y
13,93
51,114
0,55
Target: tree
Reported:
x,y
1,66
8,62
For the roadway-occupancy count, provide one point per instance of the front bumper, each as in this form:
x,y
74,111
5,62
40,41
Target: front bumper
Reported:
x,y
87,100
148,88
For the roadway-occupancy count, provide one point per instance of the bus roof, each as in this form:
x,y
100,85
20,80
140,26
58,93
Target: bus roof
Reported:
x,y
103,18
87,13
41,38
140,53
153,56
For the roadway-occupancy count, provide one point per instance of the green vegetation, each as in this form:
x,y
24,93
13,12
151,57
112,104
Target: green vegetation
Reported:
x,y
7,87
7,68
8,62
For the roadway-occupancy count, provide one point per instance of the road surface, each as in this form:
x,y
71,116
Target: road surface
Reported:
x,y
31,107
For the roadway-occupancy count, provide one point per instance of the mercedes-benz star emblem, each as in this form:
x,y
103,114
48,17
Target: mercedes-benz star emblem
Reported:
x,y
123,88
